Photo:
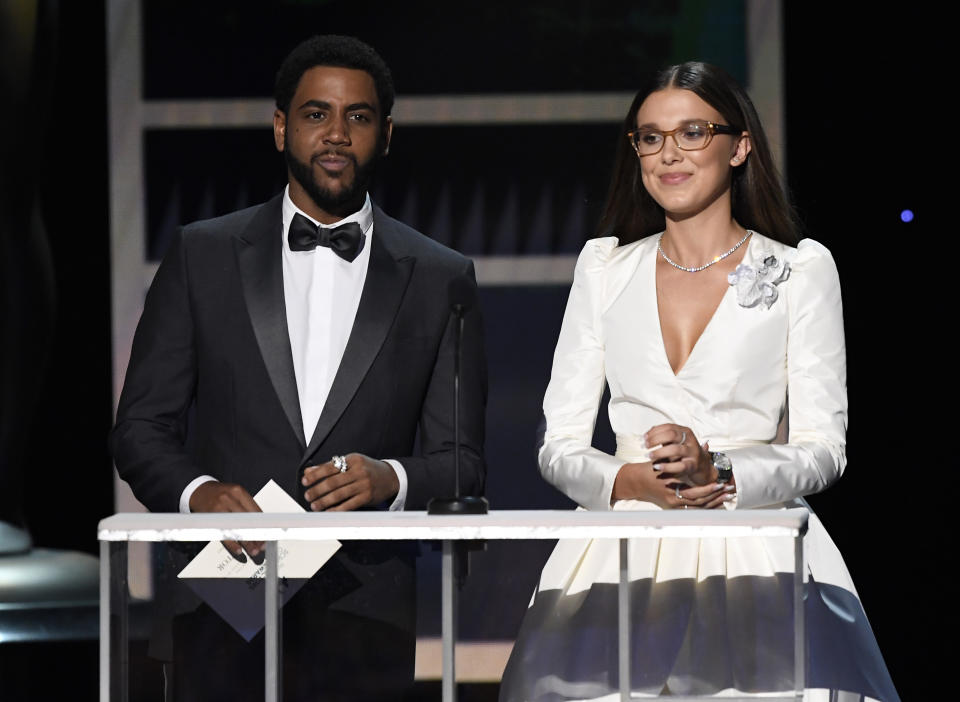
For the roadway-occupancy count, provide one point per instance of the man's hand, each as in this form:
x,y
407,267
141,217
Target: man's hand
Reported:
x,y
365,481
214,496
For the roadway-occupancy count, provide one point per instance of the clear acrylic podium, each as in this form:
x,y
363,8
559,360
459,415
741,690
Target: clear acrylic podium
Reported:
x,y
116,531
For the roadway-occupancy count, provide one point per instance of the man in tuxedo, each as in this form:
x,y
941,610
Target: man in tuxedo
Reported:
x,y
312,337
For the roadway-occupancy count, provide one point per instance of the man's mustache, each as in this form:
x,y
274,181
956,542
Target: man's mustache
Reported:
x,y
336,153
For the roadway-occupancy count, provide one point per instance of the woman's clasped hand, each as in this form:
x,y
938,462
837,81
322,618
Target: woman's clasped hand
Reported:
x,y
679,475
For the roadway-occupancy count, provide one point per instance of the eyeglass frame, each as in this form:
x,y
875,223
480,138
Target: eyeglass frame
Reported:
x,y
712,128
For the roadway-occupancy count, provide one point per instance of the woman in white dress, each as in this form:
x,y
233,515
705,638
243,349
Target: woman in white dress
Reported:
x,y
712,331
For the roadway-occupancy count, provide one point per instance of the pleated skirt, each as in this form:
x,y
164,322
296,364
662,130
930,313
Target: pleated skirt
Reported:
x,y
708,617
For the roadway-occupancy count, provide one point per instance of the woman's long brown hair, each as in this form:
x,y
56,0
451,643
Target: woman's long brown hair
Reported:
x,y
758,201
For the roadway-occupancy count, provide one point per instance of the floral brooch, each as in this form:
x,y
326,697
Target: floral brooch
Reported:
x,y
757,286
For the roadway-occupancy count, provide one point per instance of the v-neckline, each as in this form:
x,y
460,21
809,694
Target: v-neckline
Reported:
x,y
706,328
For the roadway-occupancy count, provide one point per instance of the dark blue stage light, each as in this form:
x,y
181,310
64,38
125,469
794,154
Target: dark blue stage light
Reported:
x,y
906,216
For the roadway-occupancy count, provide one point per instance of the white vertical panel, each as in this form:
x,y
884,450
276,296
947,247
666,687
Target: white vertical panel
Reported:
x,y
127,225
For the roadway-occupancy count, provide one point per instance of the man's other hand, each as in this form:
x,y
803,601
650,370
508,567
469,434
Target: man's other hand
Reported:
x,y
214,496
365,481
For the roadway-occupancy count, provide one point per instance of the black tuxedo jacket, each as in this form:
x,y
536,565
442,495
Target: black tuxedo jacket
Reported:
x,y
213,336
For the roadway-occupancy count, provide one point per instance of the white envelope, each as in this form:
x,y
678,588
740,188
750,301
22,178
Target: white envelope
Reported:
x,y
298,559
234,590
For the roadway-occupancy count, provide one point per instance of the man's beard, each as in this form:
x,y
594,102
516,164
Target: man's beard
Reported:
x,y
344,201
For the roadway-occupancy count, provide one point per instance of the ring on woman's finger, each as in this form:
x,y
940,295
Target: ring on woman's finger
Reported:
x,y
676,491
684,506
683,436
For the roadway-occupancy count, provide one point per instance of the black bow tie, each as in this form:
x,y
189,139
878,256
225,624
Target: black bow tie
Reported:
x,y
346,241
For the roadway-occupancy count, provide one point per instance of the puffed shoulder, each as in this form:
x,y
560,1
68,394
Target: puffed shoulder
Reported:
x,y
590,273
596,253
810,249
814,284
605,268
813,260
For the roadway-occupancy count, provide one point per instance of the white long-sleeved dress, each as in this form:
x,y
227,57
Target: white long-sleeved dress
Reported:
x,y
710,616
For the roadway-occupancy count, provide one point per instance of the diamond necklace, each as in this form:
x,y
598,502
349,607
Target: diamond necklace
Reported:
x,y
705,265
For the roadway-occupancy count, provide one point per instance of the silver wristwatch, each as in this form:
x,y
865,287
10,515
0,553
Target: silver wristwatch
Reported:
x,y
723,465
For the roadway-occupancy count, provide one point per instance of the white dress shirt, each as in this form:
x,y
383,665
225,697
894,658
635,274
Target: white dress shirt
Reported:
x,y
321,293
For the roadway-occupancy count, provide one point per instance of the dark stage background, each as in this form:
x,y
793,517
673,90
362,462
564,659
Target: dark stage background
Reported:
x,y
846,83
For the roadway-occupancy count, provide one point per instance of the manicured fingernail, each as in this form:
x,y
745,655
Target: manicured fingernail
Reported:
x,y
656,467
717,486
258,557
240,556
728,498
730,488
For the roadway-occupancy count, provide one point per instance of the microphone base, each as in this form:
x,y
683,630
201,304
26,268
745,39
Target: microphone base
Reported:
x,y
458,505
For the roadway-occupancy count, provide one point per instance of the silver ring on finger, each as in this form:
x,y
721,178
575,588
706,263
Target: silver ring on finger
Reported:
x,y
340,463
676,491
683,436
684,505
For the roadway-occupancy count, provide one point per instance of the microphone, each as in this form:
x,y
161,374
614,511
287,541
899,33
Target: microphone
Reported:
x,y
462,294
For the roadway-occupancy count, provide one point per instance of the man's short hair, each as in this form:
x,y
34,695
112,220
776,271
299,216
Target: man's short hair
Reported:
x,y
333,50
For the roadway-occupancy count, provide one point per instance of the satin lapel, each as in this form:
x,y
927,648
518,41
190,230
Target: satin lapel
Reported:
x,y
258,250
387,277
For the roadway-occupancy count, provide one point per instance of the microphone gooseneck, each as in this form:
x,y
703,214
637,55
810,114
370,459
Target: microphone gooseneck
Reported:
x,y
462,295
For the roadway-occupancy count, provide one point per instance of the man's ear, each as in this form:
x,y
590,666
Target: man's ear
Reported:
x,y
279,129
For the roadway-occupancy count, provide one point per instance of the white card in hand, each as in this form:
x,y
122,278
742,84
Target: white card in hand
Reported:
x,y
234,590
298,559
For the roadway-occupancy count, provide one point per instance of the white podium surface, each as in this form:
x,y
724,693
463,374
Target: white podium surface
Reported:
x,y
502,524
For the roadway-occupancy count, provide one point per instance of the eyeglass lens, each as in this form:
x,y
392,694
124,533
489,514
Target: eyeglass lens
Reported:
x,y
689,137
